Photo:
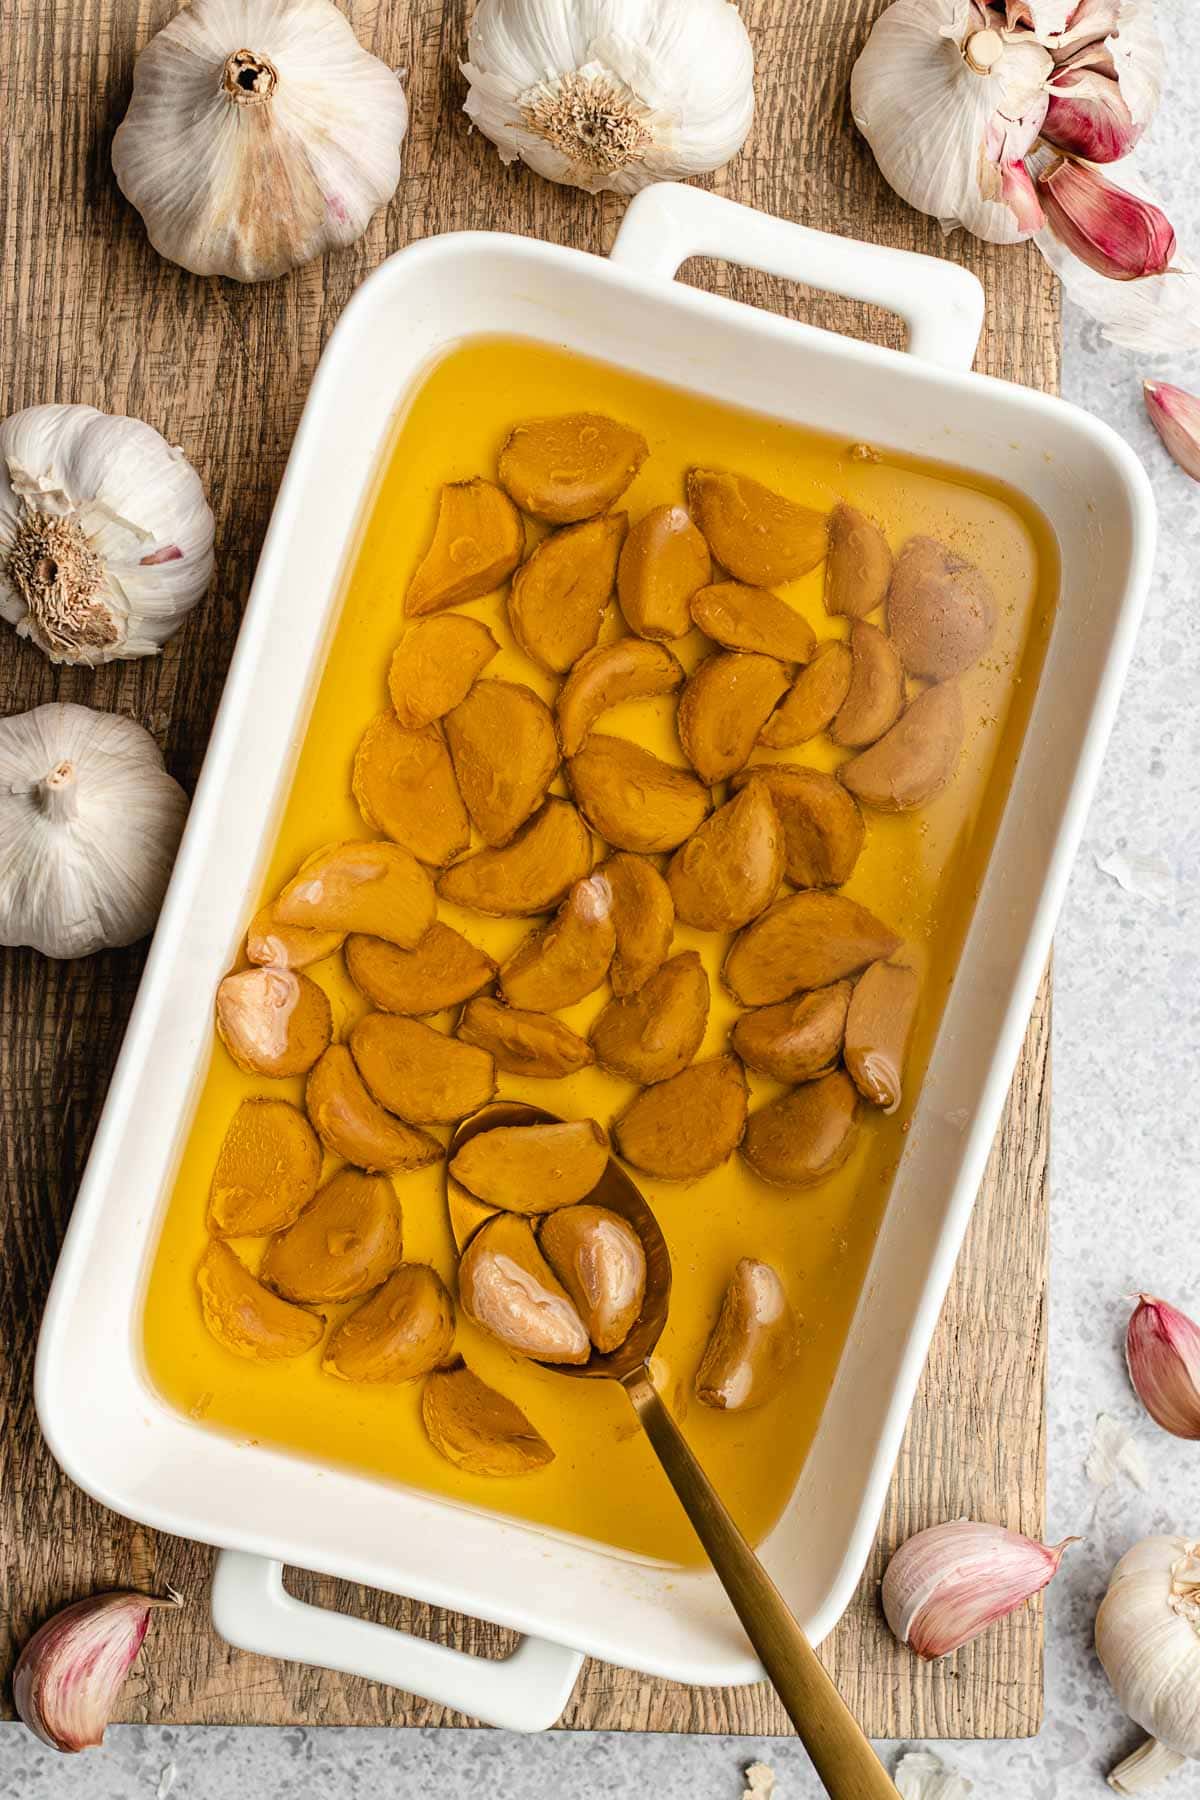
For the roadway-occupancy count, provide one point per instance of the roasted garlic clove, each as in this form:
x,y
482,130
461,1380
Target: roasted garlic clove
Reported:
x,y
523,1043
342,1245
508,1288
477,1429
632,798
806,941
404,1330
444,970
859,566
795,1040
941,611
750,618
533,1168
643,916
267,1170
246,1317
915,759
878,1025
629,669
353,1125
404,783
559,596
724,705
273,1021
568,958
505,753
682,1128
571,467
466,1213
652,1034
821,826
477,543
287,946
600,1261
531,873
812,700
760,536
730,869
664,562
419,1073
806,1136
753,1344
379,889
876,694
435,665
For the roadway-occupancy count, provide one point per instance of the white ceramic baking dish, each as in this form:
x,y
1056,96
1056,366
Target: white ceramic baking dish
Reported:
x,y
109,1429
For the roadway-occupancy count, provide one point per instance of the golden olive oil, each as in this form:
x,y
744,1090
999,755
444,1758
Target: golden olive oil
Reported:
x,y
919,872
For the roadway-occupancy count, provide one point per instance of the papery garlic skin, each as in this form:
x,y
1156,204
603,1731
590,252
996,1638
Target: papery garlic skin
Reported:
x,y
70,1672
106,539
947,1584
260,135
609,95
1162,1349
89,825
1175,415
1148,1642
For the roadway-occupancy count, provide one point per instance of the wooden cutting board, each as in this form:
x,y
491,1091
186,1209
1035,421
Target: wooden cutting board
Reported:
x,y
90,313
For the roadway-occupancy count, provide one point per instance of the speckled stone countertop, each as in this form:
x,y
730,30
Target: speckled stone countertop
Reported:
x,y
1126,1141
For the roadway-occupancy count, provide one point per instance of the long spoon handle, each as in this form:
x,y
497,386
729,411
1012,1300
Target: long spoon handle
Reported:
x,y
840,1751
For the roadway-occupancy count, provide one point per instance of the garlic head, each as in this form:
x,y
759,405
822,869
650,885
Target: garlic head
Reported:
x,y
89,825
611,96
105,535
1148,1642
260,134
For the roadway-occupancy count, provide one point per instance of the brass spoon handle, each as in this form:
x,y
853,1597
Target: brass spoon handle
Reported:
x,y
839,1749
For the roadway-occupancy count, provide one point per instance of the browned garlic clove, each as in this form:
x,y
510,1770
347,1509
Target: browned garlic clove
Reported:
x,y
946,1585
600,1261
70,1672
753,1343
1162,1348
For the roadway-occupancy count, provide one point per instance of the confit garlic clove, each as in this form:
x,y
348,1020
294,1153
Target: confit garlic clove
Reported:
x,y
947,1584
258,136
667,94
1175,415
70,1672
1162,1349
1114,232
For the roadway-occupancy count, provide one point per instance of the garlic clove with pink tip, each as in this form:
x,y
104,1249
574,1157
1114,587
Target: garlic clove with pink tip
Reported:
x,y
1162,1348
69,1674
1175,415
947,1584
1114,232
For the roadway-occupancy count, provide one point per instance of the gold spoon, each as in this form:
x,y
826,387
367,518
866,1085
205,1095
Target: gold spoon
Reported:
x,y
840,1750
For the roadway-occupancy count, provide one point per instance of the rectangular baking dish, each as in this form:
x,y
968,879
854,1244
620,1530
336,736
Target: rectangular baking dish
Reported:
x,y
104,1422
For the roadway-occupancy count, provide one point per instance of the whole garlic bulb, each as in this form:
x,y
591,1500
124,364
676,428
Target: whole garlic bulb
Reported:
x,y
611,94
89,825
260,134
1148,1641
105,534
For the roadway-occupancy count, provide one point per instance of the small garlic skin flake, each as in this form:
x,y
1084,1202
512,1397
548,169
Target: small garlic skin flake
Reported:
x,y
70,1672
946,1584
1162,1349
920,1775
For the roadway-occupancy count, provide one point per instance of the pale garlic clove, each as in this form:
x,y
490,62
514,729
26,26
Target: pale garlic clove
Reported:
x,y
69,1674
258,136
508,1288
1162,1349
947,1584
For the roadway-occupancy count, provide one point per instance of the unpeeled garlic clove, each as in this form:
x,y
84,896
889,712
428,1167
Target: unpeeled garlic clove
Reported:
x,y
1162,1348
70,1672
1088,116
1175,415
946,1584
1116,233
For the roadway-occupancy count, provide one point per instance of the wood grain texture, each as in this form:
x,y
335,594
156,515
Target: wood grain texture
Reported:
x,y
89,313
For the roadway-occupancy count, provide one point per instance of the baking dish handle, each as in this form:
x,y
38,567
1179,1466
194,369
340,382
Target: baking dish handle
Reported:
x,y
940,302
253,1610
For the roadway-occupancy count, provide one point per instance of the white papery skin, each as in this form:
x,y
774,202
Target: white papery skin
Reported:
x,y
610,95
1148,1641
89,825
251,188
135,533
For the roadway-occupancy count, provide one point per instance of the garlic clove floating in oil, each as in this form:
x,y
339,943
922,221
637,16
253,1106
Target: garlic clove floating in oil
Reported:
x,y
105,535
609,99
259,136
947,1584
70,1672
